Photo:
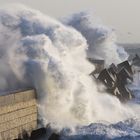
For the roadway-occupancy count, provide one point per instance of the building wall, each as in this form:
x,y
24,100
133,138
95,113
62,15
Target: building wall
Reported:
x,y
18,113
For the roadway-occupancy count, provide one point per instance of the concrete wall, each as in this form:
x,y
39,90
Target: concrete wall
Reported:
x,y
18,112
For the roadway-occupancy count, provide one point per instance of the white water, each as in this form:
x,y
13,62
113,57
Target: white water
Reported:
x,y
101,39
38,51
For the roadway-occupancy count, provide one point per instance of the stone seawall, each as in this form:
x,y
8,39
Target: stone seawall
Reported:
x,y
18,113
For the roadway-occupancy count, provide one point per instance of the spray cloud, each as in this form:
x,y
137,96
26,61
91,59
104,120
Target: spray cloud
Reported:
x,y
101,40
40,52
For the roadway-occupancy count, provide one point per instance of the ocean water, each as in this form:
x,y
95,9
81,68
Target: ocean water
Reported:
x,y
123,130
126,130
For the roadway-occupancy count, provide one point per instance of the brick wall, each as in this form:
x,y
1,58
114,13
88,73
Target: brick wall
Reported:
x,y
18,113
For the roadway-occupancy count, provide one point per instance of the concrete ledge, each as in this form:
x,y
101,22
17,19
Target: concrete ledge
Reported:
x,y
14,107
17,122
16,98
12,134
18,114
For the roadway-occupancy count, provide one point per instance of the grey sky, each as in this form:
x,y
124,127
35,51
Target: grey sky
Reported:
x,y
123,15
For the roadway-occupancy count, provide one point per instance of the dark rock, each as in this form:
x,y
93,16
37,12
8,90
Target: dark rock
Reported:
x,y
106,78
122,77
127,66
115,78
37,134
54,136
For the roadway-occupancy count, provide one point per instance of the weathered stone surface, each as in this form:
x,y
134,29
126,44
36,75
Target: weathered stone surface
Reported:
x,y
12,134
17,98
17,122
24,96
14,107
18,113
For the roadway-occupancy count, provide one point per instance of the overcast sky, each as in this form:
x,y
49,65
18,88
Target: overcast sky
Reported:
x,y
123,15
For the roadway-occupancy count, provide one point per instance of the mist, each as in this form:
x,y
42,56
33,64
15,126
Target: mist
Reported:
x,y
50,56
